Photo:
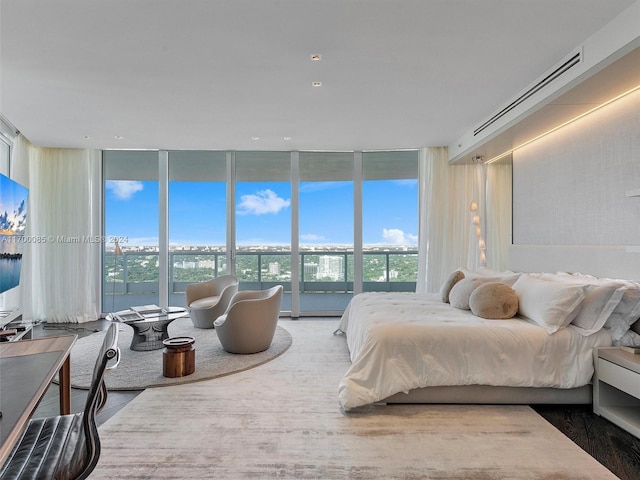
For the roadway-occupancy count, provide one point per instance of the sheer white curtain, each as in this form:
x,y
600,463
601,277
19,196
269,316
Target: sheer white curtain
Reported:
x,y
498,214
61,272
447,238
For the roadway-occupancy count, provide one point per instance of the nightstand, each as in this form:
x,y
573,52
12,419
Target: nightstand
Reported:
x,y
616,387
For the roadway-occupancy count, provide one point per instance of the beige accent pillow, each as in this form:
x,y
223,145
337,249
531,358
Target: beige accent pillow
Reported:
x,y
461,291
454,278
494,300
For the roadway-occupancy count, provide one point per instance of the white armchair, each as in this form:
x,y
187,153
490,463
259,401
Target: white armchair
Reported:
x,y
208,300
249,324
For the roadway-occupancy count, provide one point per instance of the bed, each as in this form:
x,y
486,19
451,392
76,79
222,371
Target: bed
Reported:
x,y
415,348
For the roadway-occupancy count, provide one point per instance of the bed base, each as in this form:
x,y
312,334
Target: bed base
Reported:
x,y
484,394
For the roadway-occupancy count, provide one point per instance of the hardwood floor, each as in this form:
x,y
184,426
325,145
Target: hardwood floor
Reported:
x,y
613,447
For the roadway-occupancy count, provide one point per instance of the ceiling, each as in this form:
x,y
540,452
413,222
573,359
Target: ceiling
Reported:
x,y
239,74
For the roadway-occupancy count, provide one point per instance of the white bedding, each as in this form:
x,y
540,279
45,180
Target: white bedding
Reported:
x,y
402,341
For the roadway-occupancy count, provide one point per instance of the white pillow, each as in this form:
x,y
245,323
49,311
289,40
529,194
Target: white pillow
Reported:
x,y
629,339
462,290
598,305
507,277
627,311
597,308
552,305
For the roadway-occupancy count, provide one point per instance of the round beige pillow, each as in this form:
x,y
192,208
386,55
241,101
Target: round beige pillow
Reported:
x,y
494,300
454,278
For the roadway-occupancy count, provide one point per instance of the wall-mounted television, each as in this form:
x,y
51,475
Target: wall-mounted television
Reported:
x,y
13,221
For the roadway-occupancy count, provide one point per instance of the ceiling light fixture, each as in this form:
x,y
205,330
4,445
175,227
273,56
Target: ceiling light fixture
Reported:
x,y
286,138
317,84
564,124
316,57
118,137
255,138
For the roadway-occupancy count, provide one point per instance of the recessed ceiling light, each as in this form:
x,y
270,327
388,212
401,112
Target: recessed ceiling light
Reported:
x,y
255,138
316,57
286,138
317,84
118,137
86,137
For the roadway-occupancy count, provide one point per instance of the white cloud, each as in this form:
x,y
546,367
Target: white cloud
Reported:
x,y
124,189
395,236
261,203
312,237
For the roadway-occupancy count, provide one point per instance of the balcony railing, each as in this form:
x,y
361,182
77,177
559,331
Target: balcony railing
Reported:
x,y
135,274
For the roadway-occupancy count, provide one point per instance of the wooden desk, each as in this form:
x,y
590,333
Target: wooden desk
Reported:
x,y
27,368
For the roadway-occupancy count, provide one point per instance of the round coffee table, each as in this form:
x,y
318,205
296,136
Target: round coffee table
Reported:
x,y
151,330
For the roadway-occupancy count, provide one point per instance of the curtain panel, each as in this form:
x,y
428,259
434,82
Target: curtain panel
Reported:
x,y
62,268
447,234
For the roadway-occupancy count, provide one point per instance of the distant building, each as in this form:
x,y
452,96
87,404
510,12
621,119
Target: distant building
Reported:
x,y
274,268
330,267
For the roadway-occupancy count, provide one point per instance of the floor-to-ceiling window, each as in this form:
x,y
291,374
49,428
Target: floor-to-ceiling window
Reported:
x,y
389,221
197,210
263,221
325,225
326,230
131,260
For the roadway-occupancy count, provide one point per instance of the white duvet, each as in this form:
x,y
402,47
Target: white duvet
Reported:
x,y
402,341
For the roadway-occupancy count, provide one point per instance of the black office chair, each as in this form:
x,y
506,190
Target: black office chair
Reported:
x,y
67,446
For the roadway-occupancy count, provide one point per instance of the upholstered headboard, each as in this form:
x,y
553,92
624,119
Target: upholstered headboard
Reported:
x,y
601,261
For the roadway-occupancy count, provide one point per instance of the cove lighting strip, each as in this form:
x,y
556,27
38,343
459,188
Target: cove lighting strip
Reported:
x,y
598,107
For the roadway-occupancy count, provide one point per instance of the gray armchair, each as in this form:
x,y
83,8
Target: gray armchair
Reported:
x,y
249,324
208,300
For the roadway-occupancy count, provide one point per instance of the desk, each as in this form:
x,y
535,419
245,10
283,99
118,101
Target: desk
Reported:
x,y
27,367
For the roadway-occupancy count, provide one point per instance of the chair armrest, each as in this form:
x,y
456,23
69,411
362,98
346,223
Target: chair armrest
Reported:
x,y
247,295
196,291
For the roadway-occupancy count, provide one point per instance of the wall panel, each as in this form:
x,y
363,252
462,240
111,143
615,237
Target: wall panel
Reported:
x,y
569,187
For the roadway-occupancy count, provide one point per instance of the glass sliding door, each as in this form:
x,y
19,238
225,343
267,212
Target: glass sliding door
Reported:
x,y
263,221
326,191
197,219
390,221
131,247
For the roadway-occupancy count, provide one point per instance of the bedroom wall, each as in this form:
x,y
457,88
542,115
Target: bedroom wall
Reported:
x,y
569,193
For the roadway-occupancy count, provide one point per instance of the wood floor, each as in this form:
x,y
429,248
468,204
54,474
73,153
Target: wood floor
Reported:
x,y
613,447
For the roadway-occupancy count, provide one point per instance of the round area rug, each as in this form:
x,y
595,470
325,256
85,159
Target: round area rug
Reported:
x,y
140,370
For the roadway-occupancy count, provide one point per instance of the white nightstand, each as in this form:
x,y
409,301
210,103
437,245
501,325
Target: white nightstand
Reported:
x,y
616,387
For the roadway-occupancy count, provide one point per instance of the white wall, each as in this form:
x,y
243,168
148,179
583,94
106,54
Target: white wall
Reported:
x,y
570,209
569,187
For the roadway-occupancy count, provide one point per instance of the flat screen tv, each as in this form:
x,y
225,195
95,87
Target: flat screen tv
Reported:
x,y
13,218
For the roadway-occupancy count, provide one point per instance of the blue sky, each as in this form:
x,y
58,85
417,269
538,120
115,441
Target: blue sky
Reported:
x,y
263,212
